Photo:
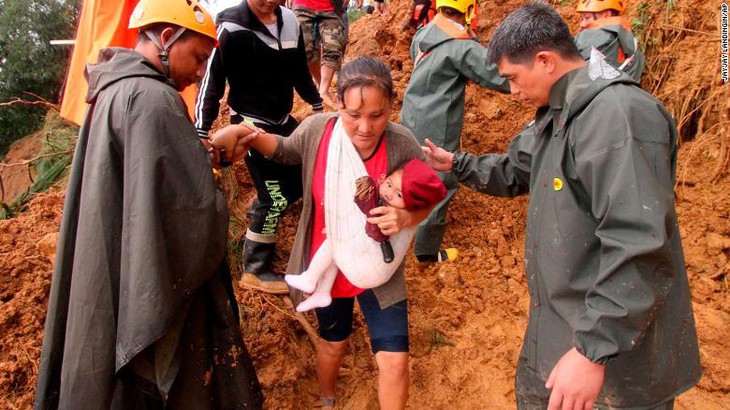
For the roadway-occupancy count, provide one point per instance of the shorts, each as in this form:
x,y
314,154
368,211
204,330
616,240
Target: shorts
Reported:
x,y
388,327
327,26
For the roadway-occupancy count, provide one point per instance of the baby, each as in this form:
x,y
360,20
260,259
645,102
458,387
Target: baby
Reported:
x,y
413,187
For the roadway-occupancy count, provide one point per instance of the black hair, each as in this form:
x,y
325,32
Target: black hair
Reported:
x,y
362,72
528,30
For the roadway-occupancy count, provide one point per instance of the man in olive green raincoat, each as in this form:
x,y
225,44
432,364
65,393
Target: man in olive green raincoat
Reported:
x,y
610,317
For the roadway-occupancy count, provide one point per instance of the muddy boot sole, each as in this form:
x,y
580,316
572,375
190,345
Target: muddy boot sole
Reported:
x,y
274,287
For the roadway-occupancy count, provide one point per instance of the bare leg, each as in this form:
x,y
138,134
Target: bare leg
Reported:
x,y
329,358
315,70
393,379
319,265
322,295
327,73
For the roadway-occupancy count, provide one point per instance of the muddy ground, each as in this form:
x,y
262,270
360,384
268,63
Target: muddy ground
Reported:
x,y
467,317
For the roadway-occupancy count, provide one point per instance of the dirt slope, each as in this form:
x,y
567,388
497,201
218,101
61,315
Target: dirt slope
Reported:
x,y
467,318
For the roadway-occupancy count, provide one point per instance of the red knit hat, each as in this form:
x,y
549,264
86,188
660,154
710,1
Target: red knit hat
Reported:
x,y
421,186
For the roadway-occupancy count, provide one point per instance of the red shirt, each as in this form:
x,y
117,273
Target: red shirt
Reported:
x,y
317,5
376,166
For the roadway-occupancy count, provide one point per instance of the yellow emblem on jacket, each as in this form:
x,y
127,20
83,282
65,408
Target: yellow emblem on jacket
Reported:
x,y
557,184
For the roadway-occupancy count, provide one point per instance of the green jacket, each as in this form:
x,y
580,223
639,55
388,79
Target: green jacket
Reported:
x,y
444,60
603,256
613,38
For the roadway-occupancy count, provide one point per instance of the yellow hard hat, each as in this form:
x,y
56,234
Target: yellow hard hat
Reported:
x,y
463,6
595,6
188,14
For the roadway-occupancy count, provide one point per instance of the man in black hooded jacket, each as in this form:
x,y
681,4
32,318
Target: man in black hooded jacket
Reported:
x,y
262,57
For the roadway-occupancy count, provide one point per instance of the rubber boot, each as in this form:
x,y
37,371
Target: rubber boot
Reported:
x,y
257,272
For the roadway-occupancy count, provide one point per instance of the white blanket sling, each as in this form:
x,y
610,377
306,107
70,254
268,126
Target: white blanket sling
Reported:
x,y
358,256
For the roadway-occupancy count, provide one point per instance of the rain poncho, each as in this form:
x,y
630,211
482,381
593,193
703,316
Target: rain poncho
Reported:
x,y
141,311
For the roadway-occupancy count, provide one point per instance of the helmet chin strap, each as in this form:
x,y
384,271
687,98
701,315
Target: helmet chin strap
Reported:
x,y
163,54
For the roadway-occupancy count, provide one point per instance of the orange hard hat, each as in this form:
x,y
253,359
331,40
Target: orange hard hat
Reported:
x,y
188,14
596,6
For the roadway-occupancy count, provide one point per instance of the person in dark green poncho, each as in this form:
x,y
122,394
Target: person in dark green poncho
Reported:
x,y
141,313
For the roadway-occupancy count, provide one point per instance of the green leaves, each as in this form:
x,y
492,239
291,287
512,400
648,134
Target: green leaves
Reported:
x,y
28,63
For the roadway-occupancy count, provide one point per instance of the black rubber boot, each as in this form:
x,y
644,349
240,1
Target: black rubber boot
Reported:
x,y
257,272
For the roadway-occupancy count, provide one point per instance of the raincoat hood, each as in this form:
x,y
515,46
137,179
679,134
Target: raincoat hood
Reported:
x,y
613,38
116,63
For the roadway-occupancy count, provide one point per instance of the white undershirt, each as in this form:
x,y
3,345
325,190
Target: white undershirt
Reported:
x,y
273,29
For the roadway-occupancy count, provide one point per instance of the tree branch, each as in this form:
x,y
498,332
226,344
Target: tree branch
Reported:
x,y
40,101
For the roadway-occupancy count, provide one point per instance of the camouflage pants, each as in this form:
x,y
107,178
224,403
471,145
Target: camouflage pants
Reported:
x,y
327,26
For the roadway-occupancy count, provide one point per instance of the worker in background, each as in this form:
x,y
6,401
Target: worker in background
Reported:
x,y
446,55
603,27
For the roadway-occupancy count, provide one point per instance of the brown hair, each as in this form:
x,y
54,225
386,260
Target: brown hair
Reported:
x,y
364,72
